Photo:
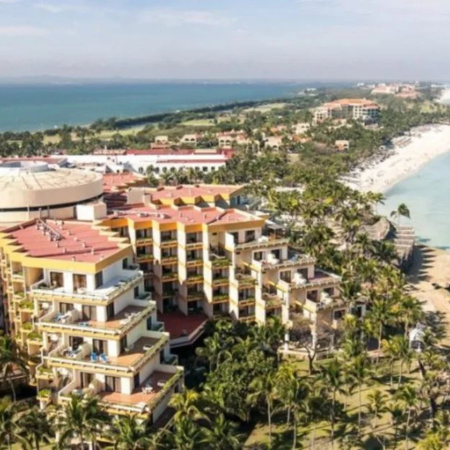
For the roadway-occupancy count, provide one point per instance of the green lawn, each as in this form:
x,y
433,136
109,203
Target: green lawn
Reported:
x,y
198,123
282,434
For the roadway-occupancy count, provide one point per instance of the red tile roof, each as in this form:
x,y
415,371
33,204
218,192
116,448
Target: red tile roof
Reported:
x,y
188,215
115,181
197,190
75,241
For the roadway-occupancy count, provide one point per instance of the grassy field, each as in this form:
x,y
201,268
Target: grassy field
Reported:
x,y
198,123
266,108
282,435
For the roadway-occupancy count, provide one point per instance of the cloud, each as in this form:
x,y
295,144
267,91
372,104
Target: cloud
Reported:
x,y
21,31
174,18
9,1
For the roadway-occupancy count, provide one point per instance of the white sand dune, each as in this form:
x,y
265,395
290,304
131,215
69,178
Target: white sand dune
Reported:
x,y
378,176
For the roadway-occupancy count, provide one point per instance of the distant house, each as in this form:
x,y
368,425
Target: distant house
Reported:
x,y
302,127
189,139
273,142
161,140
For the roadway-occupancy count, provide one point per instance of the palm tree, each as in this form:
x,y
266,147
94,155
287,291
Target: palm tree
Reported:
x,y
332,377
358,372
81,419
263,388
130,434
376,409
35,428
410,311
222,434
9,427
186,405
12,359
186,435
407,397
401,211
381,313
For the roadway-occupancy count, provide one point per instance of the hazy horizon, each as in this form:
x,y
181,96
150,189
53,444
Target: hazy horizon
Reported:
x,y
320,40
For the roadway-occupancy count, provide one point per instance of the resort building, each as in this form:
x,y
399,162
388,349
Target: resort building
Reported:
x,y
158,160
77,304
347,108
202,261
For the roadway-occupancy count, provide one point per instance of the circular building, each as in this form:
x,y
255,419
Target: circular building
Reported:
x,y
31,189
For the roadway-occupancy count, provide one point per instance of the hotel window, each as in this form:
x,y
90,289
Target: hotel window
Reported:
x,y
258,256
99,346
89,312
112,384
110,311
125,263
79,281
66,307
98,279
56,279
250,235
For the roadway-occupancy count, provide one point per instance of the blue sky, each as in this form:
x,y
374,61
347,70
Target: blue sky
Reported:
x,y
292,39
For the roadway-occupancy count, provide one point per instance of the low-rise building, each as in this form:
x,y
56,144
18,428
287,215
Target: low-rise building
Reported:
x,y
347,108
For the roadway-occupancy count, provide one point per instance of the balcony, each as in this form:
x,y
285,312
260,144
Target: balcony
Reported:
x,y
272,300
264,242
220,298
26,306
219,261
141,401
247,301
134,357
195,296
323,279
195,245
169,276
194,262
220,281
168,241
169,259
194,279
243,280
17,276
104,294
272,263
146,240
145,257
117,326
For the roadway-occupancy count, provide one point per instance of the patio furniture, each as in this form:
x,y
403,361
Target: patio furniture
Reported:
x,y
94,357
104,358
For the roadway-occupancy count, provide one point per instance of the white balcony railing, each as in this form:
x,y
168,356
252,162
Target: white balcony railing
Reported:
x,y
105,293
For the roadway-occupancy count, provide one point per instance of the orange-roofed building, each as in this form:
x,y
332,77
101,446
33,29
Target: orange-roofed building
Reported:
x,y
348,108
76,303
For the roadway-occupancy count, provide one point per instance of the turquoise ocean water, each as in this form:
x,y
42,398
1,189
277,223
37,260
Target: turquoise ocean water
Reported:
x,y
40,107
427,194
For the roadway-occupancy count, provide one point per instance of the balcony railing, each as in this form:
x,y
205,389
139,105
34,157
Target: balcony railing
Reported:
x,y
220,297
169,259
105,293
169,276
194,262
146,240
50,323
220,281
144,257
262,242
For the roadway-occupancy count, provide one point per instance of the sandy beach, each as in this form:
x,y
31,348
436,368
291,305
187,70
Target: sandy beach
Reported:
x,y
409,155
429,277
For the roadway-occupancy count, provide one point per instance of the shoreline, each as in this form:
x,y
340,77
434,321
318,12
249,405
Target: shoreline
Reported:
x,y
409,155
